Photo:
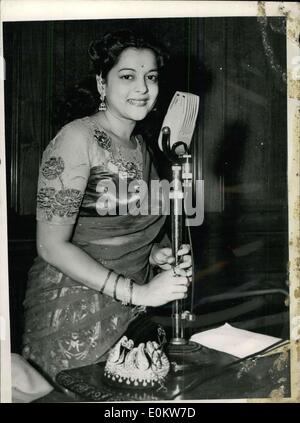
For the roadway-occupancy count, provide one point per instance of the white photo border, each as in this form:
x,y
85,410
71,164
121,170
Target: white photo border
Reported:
x,y
22,10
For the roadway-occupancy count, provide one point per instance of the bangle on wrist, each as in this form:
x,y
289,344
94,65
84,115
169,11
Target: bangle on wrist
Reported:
x,y
130,292
127,291
105,282
115,287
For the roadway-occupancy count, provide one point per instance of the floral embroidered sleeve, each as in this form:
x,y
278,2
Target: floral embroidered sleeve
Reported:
x,y
63,175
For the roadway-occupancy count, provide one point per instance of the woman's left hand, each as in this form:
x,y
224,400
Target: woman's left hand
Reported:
x,y
163,258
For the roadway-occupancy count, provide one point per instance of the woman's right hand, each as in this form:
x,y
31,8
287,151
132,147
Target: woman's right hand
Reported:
x,y
162,289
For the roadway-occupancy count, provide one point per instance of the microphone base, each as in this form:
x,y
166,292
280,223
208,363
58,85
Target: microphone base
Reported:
x,y
183,357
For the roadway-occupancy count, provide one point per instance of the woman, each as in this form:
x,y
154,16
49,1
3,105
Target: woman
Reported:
x,y
93,269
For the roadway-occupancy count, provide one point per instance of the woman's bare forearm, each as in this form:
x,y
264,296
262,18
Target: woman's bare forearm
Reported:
x,y
55,247
75,263
78,265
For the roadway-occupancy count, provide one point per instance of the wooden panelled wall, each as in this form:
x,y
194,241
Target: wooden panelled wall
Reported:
x,y
244,137
237,67
43,60
241,123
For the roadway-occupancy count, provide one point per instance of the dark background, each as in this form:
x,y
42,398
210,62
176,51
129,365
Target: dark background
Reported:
x,y
237,67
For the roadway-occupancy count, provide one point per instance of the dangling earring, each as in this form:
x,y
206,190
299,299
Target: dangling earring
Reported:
x,y
102,106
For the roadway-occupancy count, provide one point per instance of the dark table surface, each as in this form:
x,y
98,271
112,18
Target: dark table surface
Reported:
x,y
208,374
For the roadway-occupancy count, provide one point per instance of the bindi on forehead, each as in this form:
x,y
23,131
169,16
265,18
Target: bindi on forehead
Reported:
x,y
136,60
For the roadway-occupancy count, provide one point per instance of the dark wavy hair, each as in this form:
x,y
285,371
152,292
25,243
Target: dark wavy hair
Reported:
x,y
82,98
105,53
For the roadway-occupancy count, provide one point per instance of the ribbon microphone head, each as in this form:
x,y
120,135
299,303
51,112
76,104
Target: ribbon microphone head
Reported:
x,y
179,123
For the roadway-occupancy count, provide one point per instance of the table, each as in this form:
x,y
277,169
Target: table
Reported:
x,y
212,375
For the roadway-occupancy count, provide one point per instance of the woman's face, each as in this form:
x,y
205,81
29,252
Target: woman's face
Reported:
x,y
131,86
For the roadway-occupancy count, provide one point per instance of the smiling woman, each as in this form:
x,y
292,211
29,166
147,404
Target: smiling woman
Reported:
x,y
130,91
132,85
83,293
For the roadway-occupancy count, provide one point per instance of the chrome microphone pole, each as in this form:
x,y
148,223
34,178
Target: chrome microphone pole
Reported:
x,y
181,178
176,200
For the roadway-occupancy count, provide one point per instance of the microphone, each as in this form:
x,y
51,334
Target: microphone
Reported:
x,y
179,123
174,141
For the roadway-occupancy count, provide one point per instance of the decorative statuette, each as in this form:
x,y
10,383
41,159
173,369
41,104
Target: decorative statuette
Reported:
x,y
144,366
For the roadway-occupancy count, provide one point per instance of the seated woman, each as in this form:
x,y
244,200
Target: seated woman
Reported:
x,y
93,270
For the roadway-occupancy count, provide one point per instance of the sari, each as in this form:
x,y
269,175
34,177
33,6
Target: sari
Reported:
x,y
68,324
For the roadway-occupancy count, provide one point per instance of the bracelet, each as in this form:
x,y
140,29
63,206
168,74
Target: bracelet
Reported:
x,y
127,290
105,282
115,287
130,292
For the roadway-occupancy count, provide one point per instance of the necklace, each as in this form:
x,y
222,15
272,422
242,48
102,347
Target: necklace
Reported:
x,y
128,161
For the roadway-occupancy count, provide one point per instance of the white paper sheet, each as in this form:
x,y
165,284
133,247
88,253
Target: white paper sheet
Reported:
x,y
237,342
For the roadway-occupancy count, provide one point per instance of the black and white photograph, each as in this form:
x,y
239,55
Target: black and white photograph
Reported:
x,y
151,206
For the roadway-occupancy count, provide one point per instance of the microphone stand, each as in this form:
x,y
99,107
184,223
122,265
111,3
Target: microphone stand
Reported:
x,y
178,346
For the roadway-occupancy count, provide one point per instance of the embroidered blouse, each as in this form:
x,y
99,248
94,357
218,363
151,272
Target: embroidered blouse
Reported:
x,y
79,167
75,166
